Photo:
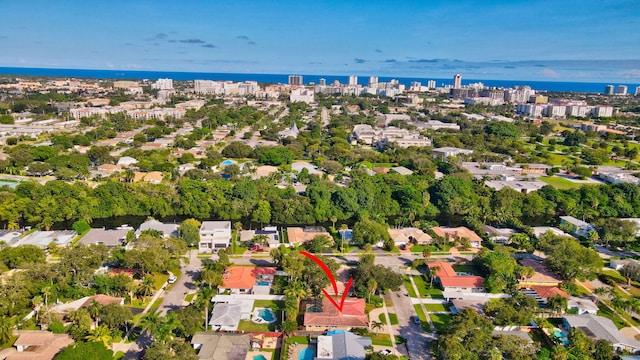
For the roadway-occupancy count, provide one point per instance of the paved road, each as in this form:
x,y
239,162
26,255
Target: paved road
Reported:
x,y
417,345
174,296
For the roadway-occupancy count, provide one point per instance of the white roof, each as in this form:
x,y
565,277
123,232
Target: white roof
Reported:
x,y
215,225
574,221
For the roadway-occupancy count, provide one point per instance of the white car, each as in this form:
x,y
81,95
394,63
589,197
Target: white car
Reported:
x,y
172,279
385,352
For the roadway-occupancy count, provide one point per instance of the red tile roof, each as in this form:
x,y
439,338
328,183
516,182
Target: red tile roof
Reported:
x,y
460,231
352,315
449,278
546,292
243,277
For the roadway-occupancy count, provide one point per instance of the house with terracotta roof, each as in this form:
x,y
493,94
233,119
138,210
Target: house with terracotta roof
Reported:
x,y
301,235
108,169
453,283
543,276
543,293
103,300
457,234
39,345
404,236
247,279
321,315
154,177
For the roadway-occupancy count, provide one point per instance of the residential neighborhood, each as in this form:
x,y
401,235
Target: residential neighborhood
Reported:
x,y
207,219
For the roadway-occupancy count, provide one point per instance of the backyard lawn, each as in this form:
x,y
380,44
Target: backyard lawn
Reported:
x,y
560,183
380,339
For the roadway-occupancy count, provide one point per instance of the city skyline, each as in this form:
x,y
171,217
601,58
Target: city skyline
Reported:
x,y
482,39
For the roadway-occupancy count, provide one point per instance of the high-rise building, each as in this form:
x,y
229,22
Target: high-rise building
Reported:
x,y
637,90
608,90
322,82
295,79
163,84
621,90
431,84
457,81
353,80
373,80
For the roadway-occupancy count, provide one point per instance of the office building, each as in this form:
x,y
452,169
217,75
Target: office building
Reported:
x,y
431,84
323,82
373,80
353,80
637,91
457,81
295,79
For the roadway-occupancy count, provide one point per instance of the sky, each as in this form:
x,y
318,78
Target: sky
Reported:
x,y
543,40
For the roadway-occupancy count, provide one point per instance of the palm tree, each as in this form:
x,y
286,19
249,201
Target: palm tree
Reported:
x,y
333,221
297,290
376,325
94,311
211,277
372,286
36,302
150,323
100,334
168,324
46,291
426,254
146,287
432,274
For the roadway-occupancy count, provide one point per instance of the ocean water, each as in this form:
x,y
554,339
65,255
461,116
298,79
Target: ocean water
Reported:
x,y
283,78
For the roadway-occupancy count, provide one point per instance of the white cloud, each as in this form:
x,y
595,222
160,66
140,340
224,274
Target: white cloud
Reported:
x,y
633,73
549,73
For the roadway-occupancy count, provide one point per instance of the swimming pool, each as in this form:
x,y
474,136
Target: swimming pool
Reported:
x,y
263,315
561,337
259,357
227,162
306,354
263,283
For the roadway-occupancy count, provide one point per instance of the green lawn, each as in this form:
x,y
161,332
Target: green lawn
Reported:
x,y
381,339
440,321
159,279
417,248
467,269
189,297
437,307
383,319
407,284
422,285
248,325
420,313
559,183
606,312
393,318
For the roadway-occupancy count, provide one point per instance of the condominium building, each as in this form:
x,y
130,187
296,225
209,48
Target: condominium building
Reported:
x,y
353,80
295,80
457,81
621,90
163,84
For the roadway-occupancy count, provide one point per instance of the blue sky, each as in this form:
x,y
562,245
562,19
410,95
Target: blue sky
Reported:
x,y
567,40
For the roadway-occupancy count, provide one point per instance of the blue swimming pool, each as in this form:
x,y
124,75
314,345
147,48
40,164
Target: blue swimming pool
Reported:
x,y
306,354
259,357
227,162
263,316
263,283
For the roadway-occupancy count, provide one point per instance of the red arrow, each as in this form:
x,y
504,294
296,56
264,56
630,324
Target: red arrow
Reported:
x,y
326,269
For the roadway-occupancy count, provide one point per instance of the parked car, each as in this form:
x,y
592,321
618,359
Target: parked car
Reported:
x,y
172,279
256,248
385,352
415,319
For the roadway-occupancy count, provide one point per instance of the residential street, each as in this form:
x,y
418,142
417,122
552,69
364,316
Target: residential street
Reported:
x,y
417,345
174,295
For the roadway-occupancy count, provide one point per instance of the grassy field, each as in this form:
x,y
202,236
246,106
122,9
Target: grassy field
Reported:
x,y
159,279
559,183
606,312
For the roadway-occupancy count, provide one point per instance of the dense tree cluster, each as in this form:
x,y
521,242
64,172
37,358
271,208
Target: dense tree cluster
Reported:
x,y
570,260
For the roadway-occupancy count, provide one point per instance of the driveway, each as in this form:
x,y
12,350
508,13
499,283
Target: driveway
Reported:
x,y
417,341
174,296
